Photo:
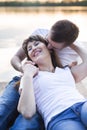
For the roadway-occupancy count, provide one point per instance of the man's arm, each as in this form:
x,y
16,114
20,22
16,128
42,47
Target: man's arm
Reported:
x,y
80,71
17,59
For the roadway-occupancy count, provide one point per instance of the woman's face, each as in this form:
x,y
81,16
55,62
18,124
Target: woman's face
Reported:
x,y
38,51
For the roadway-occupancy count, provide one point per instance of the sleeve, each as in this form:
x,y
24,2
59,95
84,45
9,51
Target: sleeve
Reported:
x,y
42,32
68,55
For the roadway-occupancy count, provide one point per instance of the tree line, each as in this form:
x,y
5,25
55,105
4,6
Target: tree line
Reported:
x,y
25,4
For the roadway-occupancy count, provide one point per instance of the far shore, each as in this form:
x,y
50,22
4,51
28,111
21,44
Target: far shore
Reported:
x,y
41,4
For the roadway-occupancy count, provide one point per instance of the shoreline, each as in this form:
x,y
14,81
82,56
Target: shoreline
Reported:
x,y
2,86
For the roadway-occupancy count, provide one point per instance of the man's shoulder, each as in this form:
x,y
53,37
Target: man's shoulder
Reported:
x,y
40,31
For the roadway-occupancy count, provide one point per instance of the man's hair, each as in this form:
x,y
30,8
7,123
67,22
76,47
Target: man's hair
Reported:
x,y
64,31
54,57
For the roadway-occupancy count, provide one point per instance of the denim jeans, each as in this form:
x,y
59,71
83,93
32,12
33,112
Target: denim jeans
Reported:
x,y
35,123
74,118
9,117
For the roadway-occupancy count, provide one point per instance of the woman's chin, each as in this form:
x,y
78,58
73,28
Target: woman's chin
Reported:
x,y
38,61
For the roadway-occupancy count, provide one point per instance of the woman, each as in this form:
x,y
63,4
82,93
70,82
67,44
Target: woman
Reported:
x,y
51,87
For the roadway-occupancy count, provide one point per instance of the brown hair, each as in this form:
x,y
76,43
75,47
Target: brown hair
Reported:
x,y
64,31
54,57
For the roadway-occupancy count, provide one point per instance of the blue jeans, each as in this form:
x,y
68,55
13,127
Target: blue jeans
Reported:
x,y
9,116
34,123
74,118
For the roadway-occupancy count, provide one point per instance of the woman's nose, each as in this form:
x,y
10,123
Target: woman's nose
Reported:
x,y
34,47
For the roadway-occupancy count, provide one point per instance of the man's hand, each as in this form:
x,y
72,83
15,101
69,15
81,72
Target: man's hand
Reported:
x,y
73,64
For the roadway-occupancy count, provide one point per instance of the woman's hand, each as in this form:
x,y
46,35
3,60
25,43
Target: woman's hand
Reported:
x,y
29,68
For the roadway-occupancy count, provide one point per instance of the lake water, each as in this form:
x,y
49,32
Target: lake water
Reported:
x,y
16,24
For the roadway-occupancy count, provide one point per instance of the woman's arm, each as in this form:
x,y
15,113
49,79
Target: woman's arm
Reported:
x,y
27,105
80,71
17,59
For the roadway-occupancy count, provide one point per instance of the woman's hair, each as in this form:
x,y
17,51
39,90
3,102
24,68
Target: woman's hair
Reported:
x,y
64,31
54,57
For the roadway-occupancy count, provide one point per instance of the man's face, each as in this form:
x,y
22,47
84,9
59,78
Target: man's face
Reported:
x,y
53,44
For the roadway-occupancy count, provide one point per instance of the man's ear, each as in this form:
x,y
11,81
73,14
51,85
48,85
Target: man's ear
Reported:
x,y
51,50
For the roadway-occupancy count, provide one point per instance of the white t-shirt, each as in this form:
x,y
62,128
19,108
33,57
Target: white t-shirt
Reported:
x,y
55,92
66,55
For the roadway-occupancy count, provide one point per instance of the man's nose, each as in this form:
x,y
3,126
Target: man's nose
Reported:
x,y
49,46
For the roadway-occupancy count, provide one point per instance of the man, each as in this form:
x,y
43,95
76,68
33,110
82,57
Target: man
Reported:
x,y
62,34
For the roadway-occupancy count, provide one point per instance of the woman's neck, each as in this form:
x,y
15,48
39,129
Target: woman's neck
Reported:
x,y
46,67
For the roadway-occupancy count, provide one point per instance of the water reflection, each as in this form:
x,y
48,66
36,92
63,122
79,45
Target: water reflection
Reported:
x,y
41,9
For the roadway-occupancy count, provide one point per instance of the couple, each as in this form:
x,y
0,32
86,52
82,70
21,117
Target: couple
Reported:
x,y
65,114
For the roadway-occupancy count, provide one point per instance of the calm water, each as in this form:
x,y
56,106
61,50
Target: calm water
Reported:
x,y
18,23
